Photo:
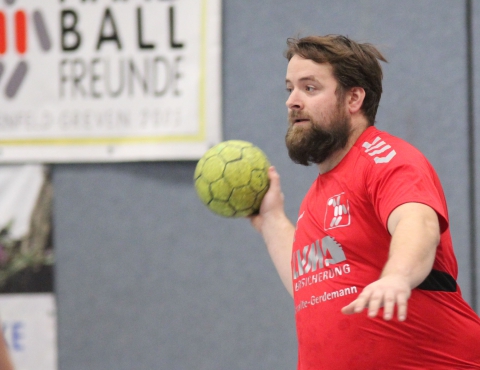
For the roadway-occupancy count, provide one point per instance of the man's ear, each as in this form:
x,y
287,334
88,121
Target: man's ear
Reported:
x,y
355,98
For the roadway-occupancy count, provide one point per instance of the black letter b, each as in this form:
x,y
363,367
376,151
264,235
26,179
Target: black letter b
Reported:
x,y
69,31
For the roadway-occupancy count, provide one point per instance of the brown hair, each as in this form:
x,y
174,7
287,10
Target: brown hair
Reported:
x,y
354,65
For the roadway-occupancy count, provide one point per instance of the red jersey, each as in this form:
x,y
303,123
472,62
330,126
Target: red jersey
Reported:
x,y
341,245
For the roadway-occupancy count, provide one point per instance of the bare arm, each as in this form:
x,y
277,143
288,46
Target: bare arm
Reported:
x,y
415,234
5,362
276,229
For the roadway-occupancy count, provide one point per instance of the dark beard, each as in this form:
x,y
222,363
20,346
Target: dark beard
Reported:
x,y
314,144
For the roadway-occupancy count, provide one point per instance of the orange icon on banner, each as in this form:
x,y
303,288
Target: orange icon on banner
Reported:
x,y
20,28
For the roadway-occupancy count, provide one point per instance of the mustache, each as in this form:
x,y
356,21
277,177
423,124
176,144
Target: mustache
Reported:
x,y
294,115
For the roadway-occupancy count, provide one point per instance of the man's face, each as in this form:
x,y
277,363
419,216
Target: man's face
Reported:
x,y
319,123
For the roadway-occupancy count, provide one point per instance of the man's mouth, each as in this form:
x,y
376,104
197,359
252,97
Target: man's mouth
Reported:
x,y
300,120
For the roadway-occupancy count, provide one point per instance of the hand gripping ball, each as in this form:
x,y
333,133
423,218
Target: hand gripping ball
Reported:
x,y
232,177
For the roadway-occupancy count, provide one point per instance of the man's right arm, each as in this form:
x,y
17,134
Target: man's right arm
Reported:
x,y
276,229
5,360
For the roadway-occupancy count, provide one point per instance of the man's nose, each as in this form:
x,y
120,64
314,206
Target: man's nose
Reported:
x,y
294,101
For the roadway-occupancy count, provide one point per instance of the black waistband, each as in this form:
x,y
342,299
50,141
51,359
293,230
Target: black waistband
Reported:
x,y
439,281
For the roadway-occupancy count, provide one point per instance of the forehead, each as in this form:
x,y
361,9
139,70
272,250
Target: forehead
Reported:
x,y
306,69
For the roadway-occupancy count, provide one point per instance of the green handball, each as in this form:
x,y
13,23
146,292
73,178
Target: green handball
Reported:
x,y
232,178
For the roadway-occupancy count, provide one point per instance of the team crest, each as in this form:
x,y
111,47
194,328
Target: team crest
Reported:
x,y
337,213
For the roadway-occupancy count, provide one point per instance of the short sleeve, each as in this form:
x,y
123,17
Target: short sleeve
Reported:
x,y
403,182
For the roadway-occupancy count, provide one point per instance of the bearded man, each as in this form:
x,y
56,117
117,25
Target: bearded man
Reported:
x,y
370,262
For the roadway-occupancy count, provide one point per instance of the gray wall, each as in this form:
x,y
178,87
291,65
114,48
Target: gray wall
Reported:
x,y
475,256
148,278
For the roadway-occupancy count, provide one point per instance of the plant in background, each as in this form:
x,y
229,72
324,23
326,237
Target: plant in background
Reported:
x,y
23,258
19,255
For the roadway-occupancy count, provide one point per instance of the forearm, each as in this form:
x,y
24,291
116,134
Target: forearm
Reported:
x,y
276,229
278,232
415,234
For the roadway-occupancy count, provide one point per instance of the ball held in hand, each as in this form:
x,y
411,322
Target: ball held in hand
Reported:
x,y
232,177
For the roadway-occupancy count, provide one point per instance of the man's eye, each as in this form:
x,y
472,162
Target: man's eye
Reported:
x,y
309,88
288,90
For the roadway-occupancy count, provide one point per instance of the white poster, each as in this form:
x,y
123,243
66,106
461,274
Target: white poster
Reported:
x,y
27,299
109,80
29,327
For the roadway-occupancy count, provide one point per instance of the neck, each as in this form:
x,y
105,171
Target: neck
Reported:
x,y
359,125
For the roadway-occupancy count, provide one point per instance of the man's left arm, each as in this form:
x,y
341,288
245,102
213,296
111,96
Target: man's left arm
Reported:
x,y
415,234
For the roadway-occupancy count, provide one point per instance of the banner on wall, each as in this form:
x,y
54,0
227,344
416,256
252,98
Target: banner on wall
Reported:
x,y
27,299
29,324
109,80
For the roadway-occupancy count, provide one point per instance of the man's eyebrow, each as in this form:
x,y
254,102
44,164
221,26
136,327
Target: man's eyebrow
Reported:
x,y
303,79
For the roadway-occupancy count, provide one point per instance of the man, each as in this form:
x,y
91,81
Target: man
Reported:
x,y
372,232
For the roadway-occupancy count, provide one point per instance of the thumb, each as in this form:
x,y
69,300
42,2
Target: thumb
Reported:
x,y
349,309
274,178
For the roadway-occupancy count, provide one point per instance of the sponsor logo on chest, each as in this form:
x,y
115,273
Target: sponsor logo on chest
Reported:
x,y
317,262
317,255
337,212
